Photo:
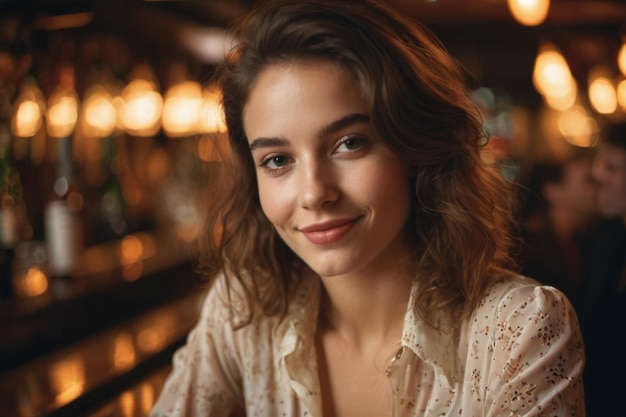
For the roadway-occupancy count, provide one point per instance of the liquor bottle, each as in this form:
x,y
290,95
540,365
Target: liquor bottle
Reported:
x,y
62,215
112,223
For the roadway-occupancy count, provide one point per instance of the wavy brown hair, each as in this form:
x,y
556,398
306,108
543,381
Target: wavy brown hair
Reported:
x,y
462,206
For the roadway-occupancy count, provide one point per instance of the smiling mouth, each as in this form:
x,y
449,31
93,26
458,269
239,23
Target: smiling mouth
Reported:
x,y
328,232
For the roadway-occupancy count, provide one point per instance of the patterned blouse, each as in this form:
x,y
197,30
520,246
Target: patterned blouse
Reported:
x,y
519,354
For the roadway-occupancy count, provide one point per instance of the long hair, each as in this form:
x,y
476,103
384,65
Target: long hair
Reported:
x,y
417,95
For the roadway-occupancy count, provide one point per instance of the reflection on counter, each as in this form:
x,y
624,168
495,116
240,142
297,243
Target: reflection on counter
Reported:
x,y
99,264
34,287
116,280
90,367
136,401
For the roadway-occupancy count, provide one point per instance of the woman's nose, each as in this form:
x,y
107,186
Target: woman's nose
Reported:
x,y
318,185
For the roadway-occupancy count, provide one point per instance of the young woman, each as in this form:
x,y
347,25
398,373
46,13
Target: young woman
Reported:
x,y
360,250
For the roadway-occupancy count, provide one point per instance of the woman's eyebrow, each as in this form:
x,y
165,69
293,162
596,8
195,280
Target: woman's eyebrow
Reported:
x,y
336,126
342,123
259,143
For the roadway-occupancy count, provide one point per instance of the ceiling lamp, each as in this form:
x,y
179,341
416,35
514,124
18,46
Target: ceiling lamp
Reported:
x,y
602,95
578,127
553,79
29,109
62,112
141,113
601,91
565,98
529,12
181,109
63,103
99,115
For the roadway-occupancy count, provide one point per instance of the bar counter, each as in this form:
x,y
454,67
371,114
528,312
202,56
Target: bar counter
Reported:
x,y
103,347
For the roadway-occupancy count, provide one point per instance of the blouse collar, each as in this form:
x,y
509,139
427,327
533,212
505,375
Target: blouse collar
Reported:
x,y
296,335
434,345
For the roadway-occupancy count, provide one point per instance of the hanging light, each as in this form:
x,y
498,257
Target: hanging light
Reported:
x,y
62,112
99,115
578,127
181,109
553,79
565,98
602,94
141,113
29,108
141,105
529,12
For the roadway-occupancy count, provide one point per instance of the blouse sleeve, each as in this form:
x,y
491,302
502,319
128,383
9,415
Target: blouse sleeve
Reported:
x,y
538,356
204,380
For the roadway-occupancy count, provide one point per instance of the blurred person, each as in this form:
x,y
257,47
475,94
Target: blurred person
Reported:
x,y
561,212
603,318
610,173
359,248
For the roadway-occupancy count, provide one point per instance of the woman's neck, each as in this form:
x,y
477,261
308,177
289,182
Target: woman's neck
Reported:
x,y
366,309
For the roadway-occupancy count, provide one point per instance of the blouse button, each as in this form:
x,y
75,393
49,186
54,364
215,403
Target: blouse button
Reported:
x,y
395,358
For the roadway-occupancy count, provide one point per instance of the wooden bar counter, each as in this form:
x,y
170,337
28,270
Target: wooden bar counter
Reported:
x,y
103,347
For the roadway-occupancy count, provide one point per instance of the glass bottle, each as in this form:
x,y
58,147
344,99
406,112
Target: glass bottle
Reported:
x,y
62,215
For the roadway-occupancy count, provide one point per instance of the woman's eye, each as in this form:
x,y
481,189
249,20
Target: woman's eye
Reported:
x,y
275,162
350,144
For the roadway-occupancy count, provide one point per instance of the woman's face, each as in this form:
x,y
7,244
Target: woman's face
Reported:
x,y
335,193
609,171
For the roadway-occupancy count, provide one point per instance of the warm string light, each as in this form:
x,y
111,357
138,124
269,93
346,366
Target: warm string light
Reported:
x,y
554,81
29,109
552,78
63,105
187,109
578,127
602,95
141,111
529,12
181,109
62,113
99,115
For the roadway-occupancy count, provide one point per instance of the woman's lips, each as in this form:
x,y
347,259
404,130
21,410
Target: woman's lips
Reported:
x,y
327,232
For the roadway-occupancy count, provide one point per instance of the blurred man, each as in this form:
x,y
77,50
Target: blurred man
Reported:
x,y
603,318
610,173
558,223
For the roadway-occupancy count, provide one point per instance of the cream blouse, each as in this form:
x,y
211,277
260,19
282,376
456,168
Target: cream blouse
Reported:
x,y
519,354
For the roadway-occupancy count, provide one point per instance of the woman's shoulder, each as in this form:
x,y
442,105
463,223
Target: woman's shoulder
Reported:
x,y
517,311
518,294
